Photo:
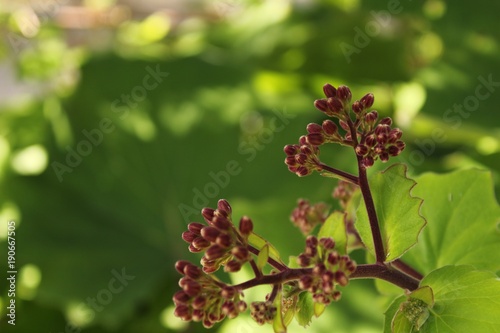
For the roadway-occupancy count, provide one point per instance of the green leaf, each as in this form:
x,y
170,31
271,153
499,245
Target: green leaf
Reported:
x,y
397,210
262,257
259,242
334,227
466,300
462,215
319,308
305,309
390,315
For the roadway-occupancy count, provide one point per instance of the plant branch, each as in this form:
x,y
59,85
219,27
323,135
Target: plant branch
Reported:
x,y
344,175
407,269
384,272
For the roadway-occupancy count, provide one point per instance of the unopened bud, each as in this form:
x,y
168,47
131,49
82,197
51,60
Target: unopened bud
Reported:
x,y
188,236
179,266
367,100
335,105
291,149
368,161
384,157
361,150
344,93
341,279
208,214
329,90
232,266
315,139
223,205
386,121
357,107
224,240
321,105
246,226
314,128
215,252
371,117
327,243
210,233
200,243
329,127
181,297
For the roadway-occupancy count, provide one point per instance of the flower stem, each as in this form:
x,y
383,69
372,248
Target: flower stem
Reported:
x,y
344,175
407,269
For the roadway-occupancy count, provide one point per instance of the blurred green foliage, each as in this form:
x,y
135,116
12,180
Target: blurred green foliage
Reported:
x,y
242,76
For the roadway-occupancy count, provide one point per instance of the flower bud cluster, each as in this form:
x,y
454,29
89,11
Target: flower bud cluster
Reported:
x,y
203,298
344,192
222,243
306,216
329,269
336,103
380,142
302,159
263,312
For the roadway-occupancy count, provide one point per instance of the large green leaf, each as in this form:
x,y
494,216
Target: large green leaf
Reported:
x,y
462,216
465,300
398,212
334,227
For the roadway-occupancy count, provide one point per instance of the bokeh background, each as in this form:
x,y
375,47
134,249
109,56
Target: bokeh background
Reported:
x,y
120,120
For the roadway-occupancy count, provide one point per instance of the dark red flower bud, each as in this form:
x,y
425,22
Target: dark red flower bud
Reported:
x,y
194,249
302,140
210,233
290,160
327,243
382,129
302,171
319,269
341,279
180,264
333,258
371,117
329,90
336,295
370,140
334,105
188,236
200,243
394,135
357,107
315,139
228,292
229,309
361,150
192,271
291,149
199,302
192,288
368,161
311,241
386,121
344,93
382,138
224,240
224,206
241,253
401,145
384,157
367,100
207,323
183,311
303,260
181,297
232,266
246,226
241,306
301,158
321,105
328,276
195,227
221,223
208,214
393,150
379,149
305,282
314,128
215,252
198,314
329,127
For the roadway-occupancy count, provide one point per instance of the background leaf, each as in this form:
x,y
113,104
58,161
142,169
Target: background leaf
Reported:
x,y
462,222
334,226
305,309
398,212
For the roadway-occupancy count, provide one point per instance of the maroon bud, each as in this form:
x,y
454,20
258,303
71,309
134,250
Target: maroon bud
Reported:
x,y
194,249
302,141
321,105
370,140
357,107
336,295
241,306
329,90
224,206
319,269
302,171
215,252
371,117
200,243
394,135
246,226
341,279
290,160
393,150
291,149
207,323
311,241
384,157
192,288
379,149
229,309
241,253
179,265
183,311
195,227
232,266
210,270
314,128
188,236
382,138
306,149
301,159
210,233
345,126
192,271
221,223
327,243
328,276
344,93
386,121
334,105
315,139
199,302
228,292
224,240
303,260
208,214
181,297
305,282
333,258
198,314
401,145
368,161
361,150
382,128
367,100
329,127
